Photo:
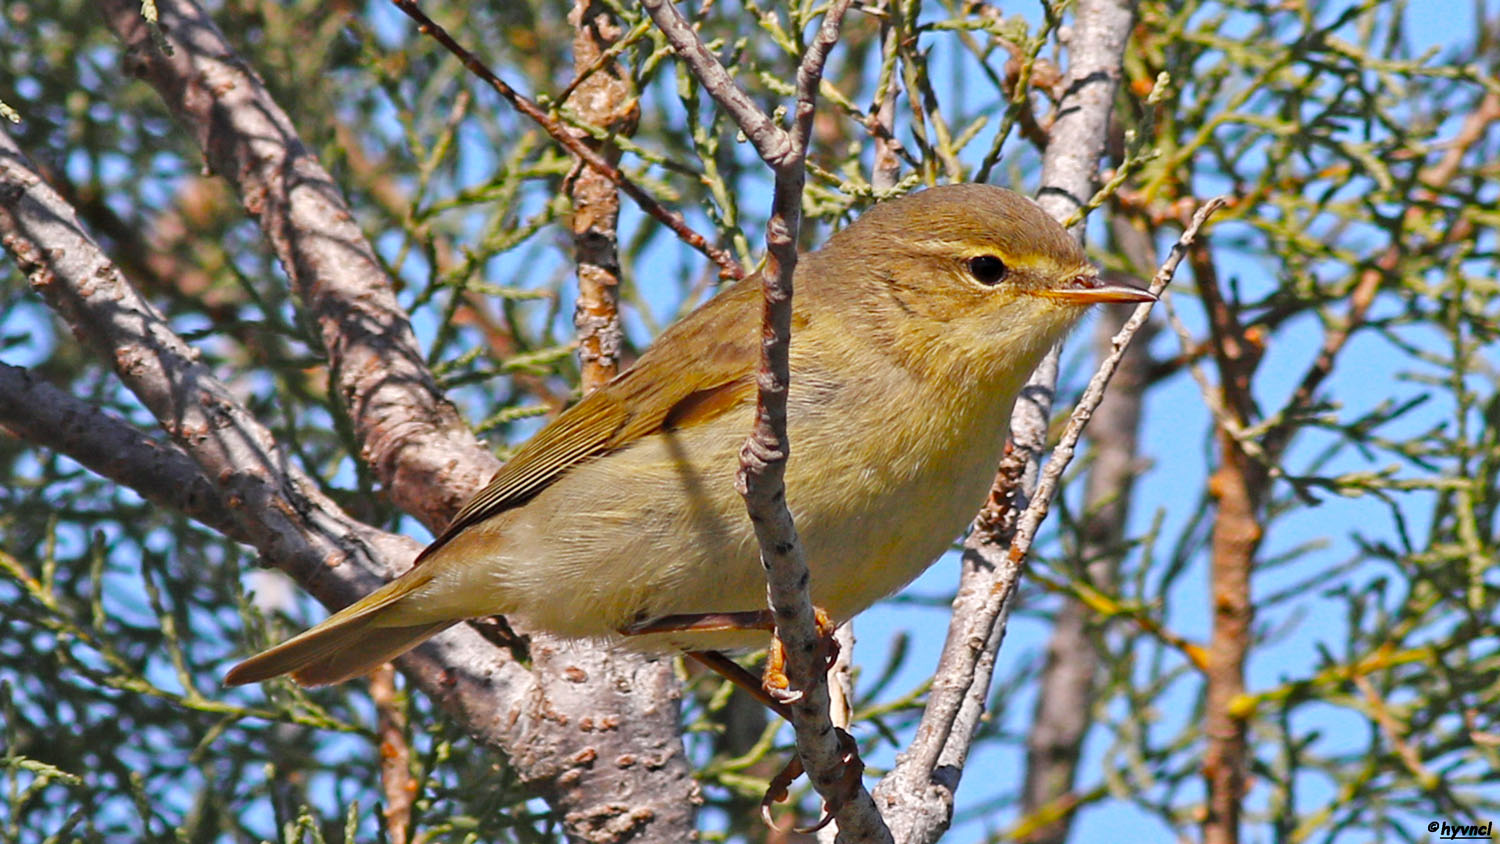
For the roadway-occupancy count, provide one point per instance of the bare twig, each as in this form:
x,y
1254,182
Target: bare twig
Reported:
x,y
763,458
1066,687
728,266
1051,476
886,171
917,796
928,768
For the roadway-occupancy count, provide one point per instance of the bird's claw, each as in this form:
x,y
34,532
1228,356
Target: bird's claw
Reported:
x,y
777,791
852,770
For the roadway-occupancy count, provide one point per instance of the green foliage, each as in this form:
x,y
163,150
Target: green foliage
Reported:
x,y
1342,140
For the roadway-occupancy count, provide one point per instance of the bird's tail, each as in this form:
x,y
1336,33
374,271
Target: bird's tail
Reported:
x,y
348,643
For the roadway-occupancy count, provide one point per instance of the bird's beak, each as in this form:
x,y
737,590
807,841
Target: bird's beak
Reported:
x,y
1089,289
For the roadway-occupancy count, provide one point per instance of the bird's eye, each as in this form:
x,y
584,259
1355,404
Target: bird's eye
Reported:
x,y
987,269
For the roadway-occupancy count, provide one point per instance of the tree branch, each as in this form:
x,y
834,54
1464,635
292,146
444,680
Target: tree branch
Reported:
x,y
763,457
728,266
421,450
269,503
162,473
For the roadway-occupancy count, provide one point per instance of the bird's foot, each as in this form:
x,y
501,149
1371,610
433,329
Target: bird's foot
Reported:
x,y
773,690
774,677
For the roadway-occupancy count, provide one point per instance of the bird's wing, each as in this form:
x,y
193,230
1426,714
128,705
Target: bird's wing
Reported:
x,y
718,342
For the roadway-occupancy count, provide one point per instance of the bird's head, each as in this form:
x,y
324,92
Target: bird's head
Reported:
x,y
975,270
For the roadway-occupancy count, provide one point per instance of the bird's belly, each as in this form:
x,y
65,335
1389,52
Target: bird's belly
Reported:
x,y
623,549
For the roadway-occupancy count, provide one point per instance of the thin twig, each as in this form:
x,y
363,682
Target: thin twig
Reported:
x,y
1051,477
983,602
728,266
763,457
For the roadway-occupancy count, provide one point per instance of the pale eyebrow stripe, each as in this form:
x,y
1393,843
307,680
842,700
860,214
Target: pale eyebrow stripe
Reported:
x,y
951,246
962,248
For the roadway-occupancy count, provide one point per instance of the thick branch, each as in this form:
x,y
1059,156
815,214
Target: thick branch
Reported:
x,y
427,458
39,413
603,98
268,499
269,503
295,527
423,453
1238,486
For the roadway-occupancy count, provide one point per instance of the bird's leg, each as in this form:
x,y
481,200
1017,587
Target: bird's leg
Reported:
x,y
774,684
772,690
714,660
704,622
736,674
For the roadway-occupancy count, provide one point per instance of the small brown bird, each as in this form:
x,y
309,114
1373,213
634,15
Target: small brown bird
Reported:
x,y
912,332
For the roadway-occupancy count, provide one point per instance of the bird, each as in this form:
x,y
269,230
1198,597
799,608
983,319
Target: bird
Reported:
x,y
913,331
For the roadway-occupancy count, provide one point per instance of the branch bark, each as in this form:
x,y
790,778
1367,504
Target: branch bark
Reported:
x,y
1239,486
763,457
267,501
35,411
293,526
419,447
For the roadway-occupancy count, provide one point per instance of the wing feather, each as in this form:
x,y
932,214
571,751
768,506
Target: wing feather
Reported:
x,y
720,339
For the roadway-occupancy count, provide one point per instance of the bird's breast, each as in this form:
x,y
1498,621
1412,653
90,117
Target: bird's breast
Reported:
x,y
881,484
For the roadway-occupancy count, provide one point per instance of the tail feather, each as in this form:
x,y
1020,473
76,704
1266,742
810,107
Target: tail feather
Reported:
x,y
375,646
348,643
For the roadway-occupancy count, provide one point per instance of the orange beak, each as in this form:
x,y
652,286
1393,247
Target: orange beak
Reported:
x,y
1089,289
